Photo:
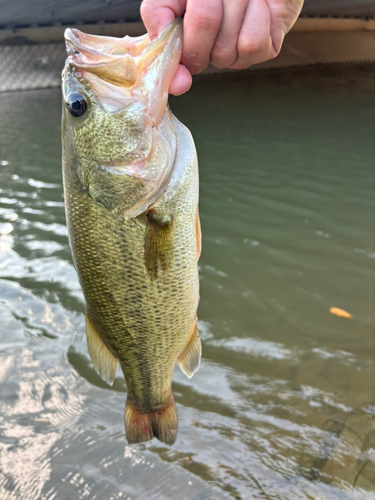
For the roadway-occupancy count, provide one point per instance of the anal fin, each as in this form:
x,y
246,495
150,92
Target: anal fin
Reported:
x,y
105,363
190,358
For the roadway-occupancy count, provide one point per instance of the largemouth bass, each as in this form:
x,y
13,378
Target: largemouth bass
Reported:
x,y
131,197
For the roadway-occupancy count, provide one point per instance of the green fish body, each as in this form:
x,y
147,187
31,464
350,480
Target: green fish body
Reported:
x,y
131,196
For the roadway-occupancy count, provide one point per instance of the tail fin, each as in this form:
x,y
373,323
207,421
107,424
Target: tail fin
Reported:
x,y
142,426
164,422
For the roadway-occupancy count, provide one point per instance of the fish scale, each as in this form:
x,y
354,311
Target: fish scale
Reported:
x,y
138,274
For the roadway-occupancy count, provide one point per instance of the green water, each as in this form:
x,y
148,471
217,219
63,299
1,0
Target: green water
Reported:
x,y
283,406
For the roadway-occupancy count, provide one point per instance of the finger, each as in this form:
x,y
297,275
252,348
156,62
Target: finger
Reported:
x,y
181,82
292,9
283,15
278,12
254,41
156,15
224,51
201,24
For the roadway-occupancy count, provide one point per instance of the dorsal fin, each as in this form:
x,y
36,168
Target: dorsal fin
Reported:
x,y
198,234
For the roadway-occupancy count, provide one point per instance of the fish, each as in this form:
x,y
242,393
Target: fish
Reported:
x,y
131,186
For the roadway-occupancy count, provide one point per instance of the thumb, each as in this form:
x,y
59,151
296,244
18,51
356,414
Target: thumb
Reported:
x,y
157,14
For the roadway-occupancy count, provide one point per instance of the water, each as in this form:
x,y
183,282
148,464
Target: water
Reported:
x,y
283,406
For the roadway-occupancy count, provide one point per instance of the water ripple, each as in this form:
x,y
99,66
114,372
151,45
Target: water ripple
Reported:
x,y
282,406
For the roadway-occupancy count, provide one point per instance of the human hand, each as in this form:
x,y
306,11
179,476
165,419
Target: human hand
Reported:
x,y
226,33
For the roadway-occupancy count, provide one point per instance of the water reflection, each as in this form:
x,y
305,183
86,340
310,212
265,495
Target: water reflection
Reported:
x,y
283,406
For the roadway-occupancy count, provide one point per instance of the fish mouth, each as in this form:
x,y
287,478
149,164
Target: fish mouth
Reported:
x,y
119,61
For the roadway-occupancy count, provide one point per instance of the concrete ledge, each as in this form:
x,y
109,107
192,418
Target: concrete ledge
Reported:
x,y
56,33
27,13
33,58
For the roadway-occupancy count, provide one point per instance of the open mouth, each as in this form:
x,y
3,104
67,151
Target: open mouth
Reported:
x,y
118,61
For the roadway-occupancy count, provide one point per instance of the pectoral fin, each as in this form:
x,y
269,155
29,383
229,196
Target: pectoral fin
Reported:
x,y
105,363
158,243
190,358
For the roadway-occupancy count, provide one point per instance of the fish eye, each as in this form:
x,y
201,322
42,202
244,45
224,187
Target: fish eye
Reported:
x,y
76,104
